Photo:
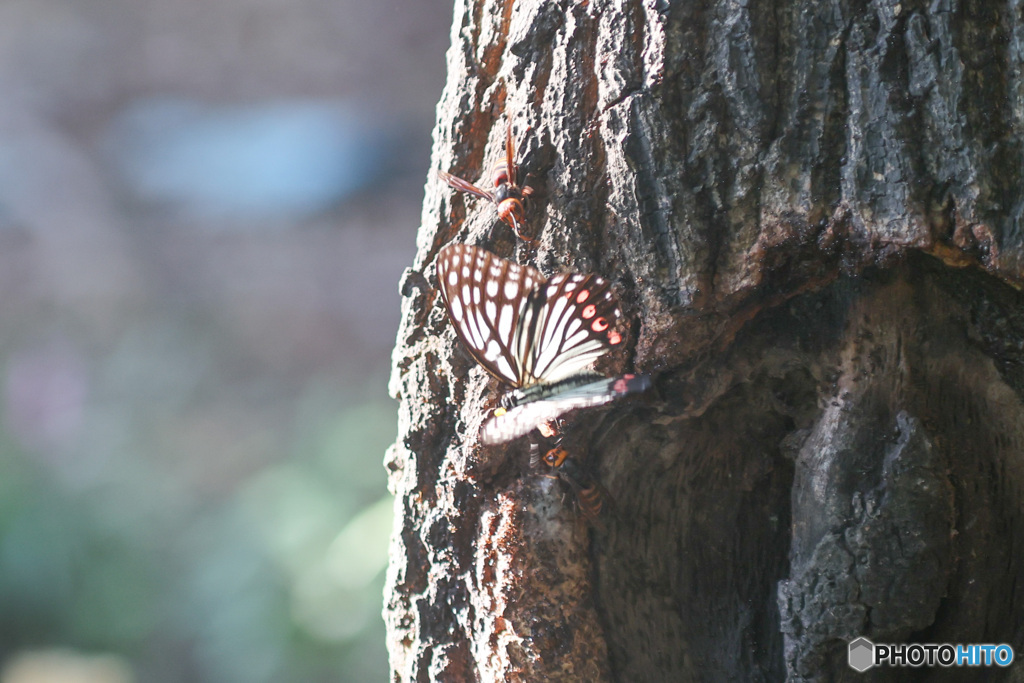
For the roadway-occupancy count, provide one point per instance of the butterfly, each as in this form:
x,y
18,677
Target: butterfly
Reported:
x,y
507,195
536,334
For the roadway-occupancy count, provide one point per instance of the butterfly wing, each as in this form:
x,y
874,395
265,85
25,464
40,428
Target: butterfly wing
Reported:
x,y
487,298
519,420
576,325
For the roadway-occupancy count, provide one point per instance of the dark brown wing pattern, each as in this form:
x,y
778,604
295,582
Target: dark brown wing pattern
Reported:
x,y
486,297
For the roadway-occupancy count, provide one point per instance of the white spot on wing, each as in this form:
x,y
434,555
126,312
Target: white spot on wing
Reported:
x,y
573,340
476,332
511,289
481,323
557,308
550,342
505,369
456,309
505,323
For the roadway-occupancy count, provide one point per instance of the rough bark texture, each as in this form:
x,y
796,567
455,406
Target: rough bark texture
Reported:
x,y
812,211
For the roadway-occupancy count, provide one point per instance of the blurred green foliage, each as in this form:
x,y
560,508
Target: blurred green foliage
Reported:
x,y
200,545
205,209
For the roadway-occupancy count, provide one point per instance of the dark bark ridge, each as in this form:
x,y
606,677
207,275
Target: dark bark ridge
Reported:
x,y
811,211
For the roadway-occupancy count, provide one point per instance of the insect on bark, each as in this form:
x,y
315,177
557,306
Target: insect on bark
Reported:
x,y
539,335
507,196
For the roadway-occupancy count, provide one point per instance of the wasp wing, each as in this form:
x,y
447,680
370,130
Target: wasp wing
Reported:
x,y
466,186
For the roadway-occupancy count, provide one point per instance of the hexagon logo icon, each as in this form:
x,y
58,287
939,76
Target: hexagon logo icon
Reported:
x,y
862,655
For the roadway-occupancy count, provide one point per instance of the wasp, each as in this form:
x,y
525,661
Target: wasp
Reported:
x,y
508,196
589,493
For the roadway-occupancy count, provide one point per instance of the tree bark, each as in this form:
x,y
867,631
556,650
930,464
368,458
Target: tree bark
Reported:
x,y
812,213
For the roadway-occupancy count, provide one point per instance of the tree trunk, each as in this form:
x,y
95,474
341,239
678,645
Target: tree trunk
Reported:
x,y
812,213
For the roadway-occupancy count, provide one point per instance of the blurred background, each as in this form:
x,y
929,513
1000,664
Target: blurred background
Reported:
x,y
205,209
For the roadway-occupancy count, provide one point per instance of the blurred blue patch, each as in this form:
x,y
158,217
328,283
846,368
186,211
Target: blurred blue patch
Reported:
x,y
275,160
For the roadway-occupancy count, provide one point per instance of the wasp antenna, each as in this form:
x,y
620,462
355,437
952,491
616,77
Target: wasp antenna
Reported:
x,y
510,152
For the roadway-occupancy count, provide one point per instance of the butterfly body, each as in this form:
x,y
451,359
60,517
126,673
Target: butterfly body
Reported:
x,y
507,196
536,334
582,386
